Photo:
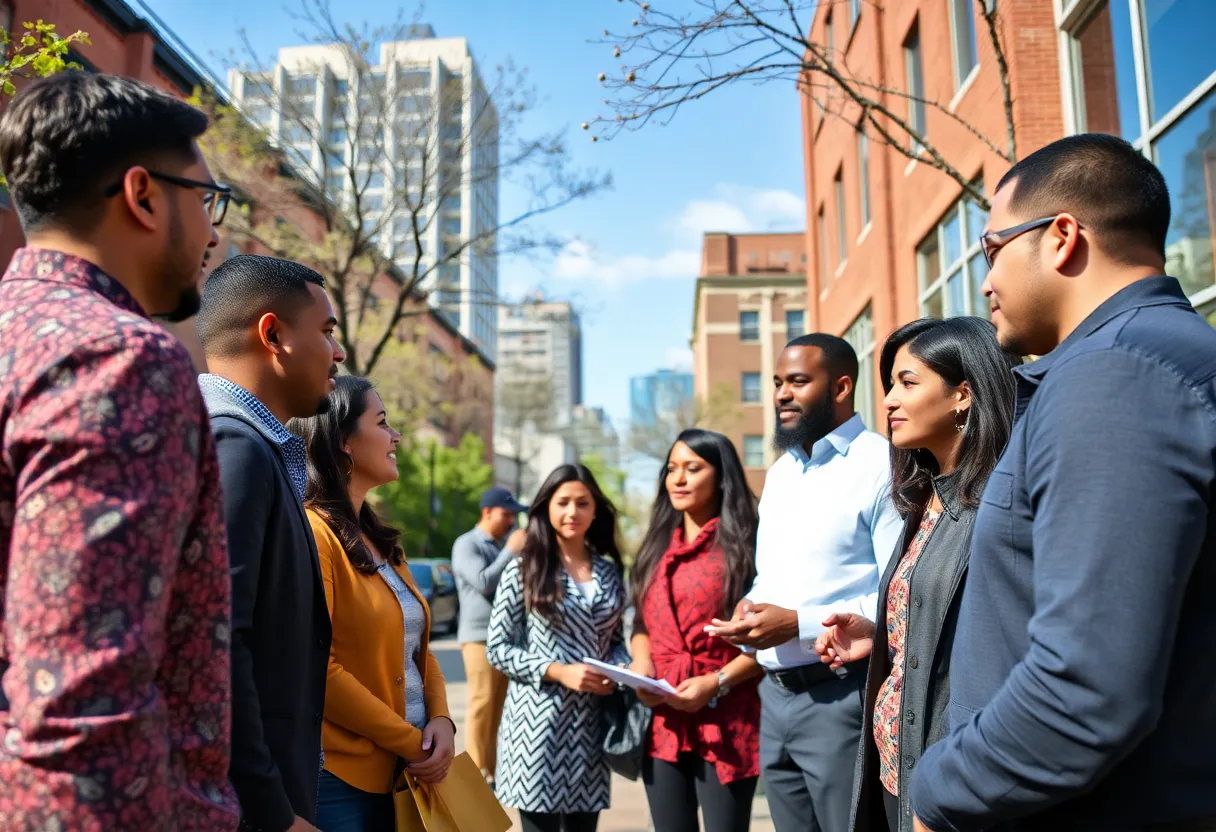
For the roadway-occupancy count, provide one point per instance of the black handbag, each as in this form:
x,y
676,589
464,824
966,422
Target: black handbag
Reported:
x,y
626,731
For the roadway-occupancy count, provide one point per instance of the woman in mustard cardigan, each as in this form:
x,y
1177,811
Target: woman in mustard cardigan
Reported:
x,y
385,698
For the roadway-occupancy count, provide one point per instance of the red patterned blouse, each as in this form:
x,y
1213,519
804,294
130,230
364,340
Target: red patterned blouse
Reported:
x,y
685,593
114,584
890,695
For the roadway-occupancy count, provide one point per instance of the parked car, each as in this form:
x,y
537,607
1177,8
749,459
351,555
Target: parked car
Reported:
x,y
438,585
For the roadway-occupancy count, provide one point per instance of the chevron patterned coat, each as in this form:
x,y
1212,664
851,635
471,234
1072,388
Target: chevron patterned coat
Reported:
x,y
549,743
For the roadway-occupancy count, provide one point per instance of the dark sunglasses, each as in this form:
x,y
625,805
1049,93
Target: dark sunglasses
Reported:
x,y
215,200
994,241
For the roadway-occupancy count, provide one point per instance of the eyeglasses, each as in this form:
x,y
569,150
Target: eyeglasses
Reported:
x,y
215,200
994,241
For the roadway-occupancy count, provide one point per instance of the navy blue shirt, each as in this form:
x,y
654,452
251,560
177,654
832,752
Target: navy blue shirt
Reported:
x,y
1083,691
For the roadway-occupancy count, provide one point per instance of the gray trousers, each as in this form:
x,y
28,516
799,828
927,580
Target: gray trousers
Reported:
x,y
808,747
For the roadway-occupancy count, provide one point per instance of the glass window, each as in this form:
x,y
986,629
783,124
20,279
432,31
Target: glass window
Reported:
x,y
1106,76
860,336
1186,155
951,266
1179,49
751,388
915,76
749,325
841,223
863,175
962,36
821,237
753,451
795,323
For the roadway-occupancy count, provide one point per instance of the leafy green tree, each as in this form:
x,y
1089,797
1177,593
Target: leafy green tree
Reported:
x,y
37,53
461,474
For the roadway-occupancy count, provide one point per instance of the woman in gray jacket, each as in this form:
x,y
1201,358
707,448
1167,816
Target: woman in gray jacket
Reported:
x,y
950,393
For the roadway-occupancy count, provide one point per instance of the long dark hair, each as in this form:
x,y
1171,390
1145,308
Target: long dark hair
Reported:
x,y
539,563
328,490
735,508
958,350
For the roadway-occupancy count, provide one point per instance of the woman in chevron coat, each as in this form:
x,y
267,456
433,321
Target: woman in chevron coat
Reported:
x,y
559,603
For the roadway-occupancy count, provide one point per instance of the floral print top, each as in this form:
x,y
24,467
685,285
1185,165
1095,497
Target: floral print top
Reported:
x,y
114,585
890,695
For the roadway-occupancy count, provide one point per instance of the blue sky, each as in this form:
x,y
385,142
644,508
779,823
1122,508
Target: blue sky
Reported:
x,y
732,162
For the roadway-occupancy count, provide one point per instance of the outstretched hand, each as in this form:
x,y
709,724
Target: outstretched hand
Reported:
x,y
759,626
848,638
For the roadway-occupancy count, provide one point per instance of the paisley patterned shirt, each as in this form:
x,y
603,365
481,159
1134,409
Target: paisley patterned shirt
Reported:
x,y
890,696
114,585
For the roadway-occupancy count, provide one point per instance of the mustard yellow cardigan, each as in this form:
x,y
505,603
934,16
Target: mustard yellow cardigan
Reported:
x,y
364,731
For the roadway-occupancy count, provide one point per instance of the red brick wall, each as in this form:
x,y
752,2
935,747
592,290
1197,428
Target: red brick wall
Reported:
x,y
907,201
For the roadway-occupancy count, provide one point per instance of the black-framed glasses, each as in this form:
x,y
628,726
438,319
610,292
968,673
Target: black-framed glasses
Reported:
x,y
994,241
215,199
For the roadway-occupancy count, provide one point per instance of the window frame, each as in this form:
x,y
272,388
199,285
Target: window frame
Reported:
x,y
745,330
914,82
802,331
1073,18
863,175
956,9
860,335
756,439
745,388
969,248
842,213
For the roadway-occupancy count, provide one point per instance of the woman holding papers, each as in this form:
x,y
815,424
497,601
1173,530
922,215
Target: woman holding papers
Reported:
x,y
695,564
557,604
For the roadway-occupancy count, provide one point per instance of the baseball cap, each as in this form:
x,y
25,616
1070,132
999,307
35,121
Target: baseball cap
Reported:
x,y
498,497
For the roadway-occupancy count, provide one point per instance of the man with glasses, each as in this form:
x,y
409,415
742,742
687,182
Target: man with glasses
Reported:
x,y
1083,696
114,652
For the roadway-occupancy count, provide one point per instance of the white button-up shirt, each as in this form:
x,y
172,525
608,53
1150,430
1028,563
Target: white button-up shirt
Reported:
x,y
827,530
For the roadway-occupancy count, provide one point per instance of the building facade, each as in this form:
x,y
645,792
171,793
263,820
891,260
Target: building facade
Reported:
x,y
750,301
442,149
591,434
891,239
543,339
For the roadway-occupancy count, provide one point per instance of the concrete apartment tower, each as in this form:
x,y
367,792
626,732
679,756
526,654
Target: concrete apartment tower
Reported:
x,y
433,90
541,338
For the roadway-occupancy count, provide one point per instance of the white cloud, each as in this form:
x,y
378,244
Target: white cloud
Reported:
x,y
732,208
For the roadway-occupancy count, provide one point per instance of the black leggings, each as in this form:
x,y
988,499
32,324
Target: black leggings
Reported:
x,y
674,791
566,822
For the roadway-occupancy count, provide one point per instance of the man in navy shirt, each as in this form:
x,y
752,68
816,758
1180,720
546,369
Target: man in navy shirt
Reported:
x,y
1083,695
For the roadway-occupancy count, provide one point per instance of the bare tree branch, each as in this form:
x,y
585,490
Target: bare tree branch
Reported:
x,y
389,156
673,59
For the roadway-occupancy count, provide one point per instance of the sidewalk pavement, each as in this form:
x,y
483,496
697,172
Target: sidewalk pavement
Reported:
x,y
629,812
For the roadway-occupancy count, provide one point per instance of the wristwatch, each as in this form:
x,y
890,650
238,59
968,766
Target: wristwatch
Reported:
x,y
723,689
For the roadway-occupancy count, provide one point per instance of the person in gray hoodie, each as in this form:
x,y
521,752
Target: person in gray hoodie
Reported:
x,y
478,560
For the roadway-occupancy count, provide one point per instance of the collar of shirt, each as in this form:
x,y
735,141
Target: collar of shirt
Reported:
x,y
291,447
57,267
836,442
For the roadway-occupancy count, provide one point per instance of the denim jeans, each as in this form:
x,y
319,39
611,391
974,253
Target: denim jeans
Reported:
x,y
343,808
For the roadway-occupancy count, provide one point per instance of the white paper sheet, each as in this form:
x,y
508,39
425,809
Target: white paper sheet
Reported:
x,y
625,676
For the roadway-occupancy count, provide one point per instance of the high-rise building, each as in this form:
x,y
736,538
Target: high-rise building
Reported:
x,y
661,399
750,301
591,434
540,339
436,140
892,239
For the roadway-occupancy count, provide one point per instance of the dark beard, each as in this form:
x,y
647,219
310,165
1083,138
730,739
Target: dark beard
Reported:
x,y
187,307
812,425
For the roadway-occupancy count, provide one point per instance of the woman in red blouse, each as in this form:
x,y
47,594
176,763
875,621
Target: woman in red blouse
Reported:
x,y
695,564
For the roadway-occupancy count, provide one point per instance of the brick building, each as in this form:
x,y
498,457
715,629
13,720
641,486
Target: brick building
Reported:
x,y
125,43
750,300
891,239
